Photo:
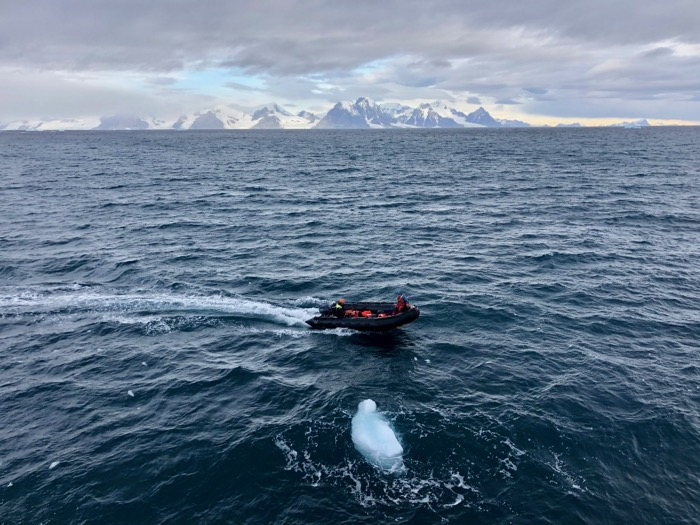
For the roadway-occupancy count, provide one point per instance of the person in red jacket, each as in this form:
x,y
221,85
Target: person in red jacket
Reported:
x,y
401,304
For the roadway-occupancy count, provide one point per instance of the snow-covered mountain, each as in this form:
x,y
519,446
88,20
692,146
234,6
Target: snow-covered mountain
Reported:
x,y
226,117
277,118
395,109
308,116
366,114
512,123
482,117
221,117
51,125
361,114
449,114
641,123
130,122
426,116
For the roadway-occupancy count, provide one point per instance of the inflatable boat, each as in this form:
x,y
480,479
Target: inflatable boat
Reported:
x,y
373,317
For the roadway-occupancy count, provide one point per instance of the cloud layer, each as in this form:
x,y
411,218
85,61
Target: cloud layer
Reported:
x,y
576,59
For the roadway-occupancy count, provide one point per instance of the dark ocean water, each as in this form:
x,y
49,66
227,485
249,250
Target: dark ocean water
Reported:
x,y
155,367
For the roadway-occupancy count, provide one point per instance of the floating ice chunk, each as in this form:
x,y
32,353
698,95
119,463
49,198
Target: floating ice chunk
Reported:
x,y
131,393
10,484
143,363
54,465
374,438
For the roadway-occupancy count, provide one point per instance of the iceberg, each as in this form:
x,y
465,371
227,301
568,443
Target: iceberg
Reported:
x,y
375,440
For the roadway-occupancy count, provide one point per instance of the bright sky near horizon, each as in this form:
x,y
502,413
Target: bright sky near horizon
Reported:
x,y
542,61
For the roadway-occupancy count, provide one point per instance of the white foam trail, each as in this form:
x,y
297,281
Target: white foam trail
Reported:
x,y
375,440
82,300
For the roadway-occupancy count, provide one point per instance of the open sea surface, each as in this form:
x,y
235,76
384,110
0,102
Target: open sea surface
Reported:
x,y
155,367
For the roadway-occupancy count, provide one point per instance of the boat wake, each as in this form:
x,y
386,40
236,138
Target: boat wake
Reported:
x,y
147,307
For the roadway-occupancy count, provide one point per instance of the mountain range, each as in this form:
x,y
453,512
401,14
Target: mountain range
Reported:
x,y
361,114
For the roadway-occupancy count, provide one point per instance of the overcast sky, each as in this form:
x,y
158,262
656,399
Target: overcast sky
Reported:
x,y
537,60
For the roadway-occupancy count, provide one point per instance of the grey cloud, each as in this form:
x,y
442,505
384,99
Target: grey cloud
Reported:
x,y
658,52
488,49
618,108
48,95
294,36
535,90
417,80
507,101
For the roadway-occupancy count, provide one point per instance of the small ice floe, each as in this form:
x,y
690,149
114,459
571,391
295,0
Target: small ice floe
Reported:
x,y
427,361
131,393
10,484
53,465
143,363
375,440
